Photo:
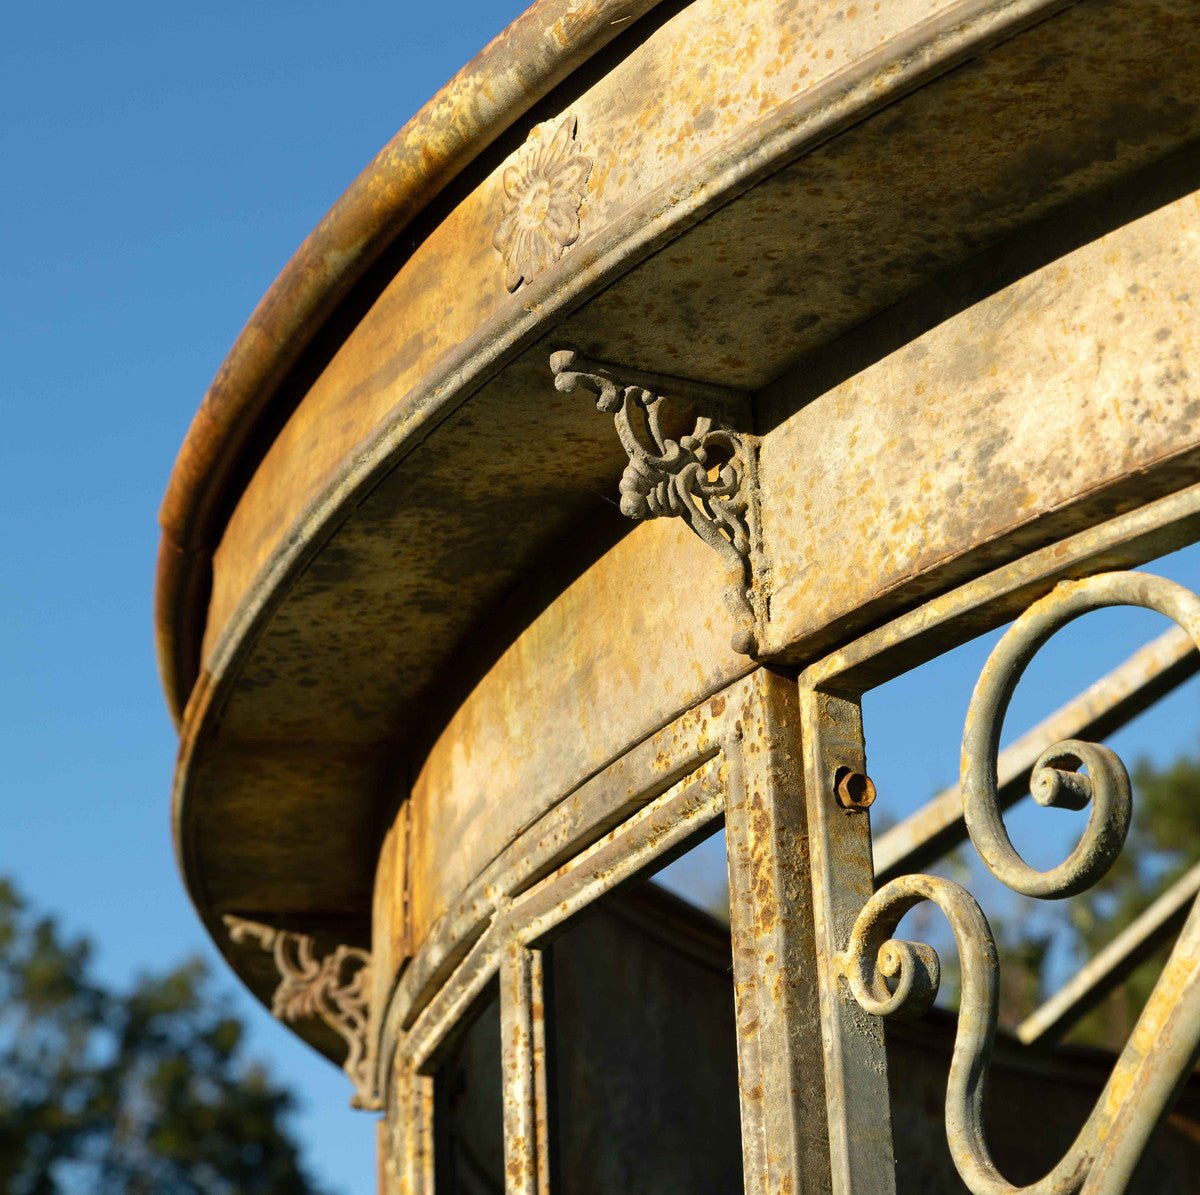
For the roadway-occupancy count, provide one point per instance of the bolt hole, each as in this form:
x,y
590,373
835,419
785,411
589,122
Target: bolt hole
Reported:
x,y
853,790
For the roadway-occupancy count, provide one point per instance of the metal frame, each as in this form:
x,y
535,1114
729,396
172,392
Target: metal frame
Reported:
x,y
732,760
782,764
866,974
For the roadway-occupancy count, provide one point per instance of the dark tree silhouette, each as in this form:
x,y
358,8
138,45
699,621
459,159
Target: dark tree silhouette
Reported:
x,y
139,1091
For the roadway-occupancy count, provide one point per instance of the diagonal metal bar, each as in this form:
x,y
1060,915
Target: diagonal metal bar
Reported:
x,y
1113,964
1148,675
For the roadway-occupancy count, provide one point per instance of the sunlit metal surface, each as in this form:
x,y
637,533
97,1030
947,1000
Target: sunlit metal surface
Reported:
x,y
892,306
939,826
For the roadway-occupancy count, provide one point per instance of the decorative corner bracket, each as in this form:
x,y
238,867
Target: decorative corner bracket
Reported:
x,y
708,477
334,988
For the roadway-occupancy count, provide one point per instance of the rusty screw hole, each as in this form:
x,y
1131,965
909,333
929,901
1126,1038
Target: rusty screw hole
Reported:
x,y
853,790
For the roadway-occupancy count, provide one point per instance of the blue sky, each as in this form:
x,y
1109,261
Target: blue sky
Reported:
x,y
161,162
160,165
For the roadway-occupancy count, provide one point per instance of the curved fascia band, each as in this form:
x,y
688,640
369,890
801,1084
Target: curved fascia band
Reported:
x,y
516,70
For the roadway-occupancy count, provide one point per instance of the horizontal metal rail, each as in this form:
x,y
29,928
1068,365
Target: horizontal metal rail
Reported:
x,y
1113,964
938,827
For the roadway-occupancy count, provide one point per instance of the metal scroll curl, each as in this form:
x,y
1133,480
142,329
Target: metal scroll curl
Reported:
x,y
889,977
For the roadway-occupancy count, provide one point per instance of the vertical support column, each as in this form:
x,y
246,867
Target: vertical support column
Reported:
x,y
784,1136
523,1064
408,1168
862,1158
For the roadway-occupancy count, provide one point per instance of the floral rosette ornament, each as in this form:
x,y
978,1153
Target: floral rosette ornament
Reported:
x,y
543,189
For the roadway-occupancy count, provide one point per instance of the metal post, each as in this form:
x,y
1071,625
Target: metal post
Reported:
x,y
523,1062
862,1159
784,1139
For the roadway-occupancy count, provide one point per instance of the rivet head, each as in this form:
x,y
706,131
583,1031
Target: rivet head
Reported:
x,y
853,790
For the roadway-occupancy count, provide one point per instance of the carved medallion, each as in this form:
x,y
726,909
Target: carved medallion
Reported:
x,y
334,988
708,477
543,192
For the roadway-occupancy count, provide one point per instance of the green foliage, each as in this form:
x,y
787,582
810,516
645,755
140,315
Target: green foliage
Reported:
x,y
143,1091
1160,848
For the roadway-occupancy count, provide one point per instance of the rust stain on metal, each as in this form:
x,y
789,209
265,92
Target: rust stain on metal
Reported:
x,y
853,790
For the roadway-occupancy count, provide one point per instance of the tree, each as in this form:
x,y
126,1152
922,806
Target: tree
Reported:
x,y
142,1091
1162,844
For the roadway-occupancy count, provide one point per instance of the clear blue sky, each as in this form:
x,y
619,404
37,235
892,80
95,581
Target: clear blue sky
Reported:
x,y
160,165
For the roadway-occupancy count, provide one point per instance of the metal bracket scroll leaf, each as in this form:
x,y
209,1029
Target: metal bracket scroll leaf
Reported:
x,y
707,477
334,988
889,977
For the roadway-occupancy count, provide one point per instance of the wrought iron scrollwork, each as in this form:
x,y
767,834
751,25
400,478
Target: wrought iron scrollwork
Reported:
x,y
889,977
708,477
334,988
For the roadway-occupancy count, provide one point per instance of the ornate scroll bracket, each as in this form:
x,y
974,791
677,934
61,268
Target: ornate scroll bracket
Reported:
x,y
707,477
334,988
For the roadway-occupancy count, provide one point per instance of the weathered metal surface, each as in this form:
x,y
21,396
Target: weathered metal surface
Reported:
x,y
665,824
783,1105
861,1153
599,805
374,379
1105,788
989,433
637,987
478,105
358,394
671,789
538,51
468,1129
1113,964
322,671
708,477
642,1051
969,254
544,188
609,690
1155,529
523,1065
1036,1102
1104,707
355,644
391,914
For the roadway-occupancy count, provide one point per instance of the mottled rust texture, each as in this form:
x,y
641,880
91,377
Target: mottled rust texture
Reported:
x,y
425,598
1040,400
644,136
606,695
